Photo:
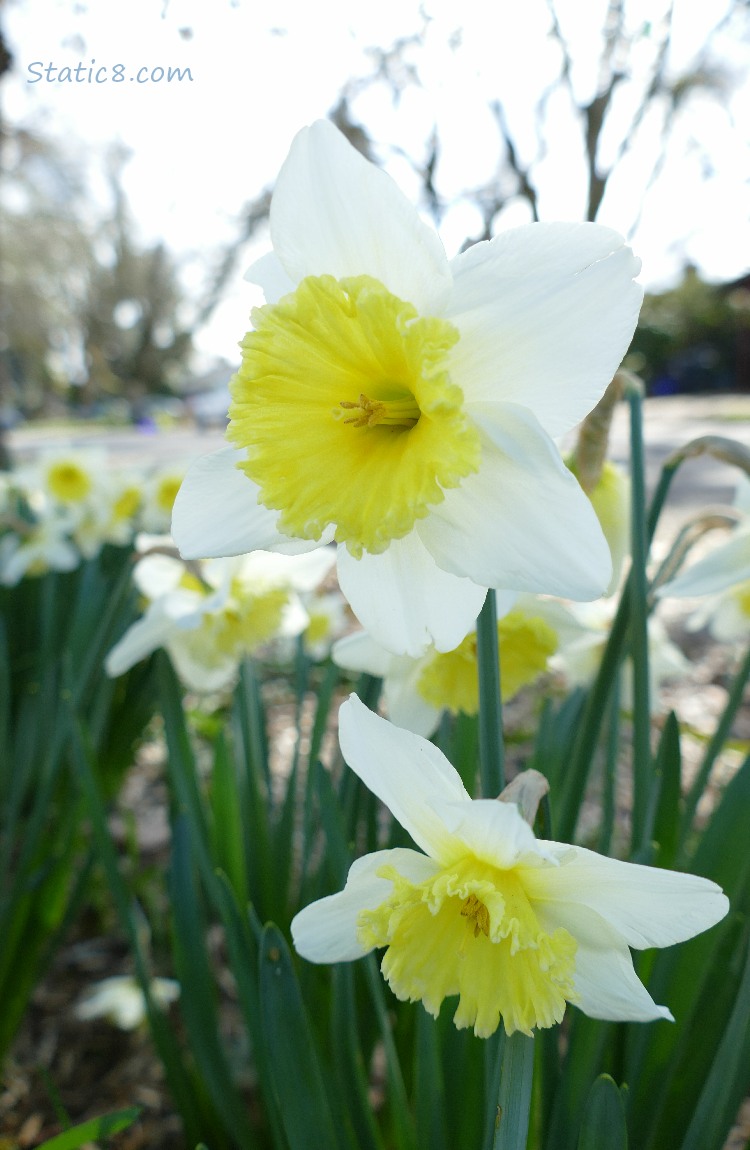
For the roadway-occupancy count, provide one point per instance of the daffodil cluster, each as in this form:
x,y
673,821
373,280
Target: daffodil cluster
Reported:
x,y
69,503
209,617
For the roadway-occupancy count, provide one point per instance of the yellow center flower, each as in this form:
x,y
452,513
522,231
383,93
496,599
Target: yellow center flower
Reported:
x,y
347,412
166,492
246,621
450,679
126,504
741,594
472,930
68,482
319,627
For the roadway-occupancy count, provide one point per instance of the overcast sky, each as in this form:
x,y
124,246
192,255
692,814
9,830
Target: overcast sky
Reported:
x,y
202,147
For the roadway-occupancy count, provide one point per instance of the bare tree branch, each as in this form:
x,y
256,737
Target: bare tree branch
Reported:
x,y
525,186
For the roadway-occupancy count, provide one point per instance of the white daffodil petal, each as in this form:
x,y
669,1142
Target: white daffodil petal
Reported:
x,y
493,831
198,672
187,608
406,707
294,617
720,569
546,313
408,774
326,931
304,572
404,598
726,616
647,906
742,494
334,213
140,640
268,273
608,987
155,575
522,522
216,512
360,652
606,984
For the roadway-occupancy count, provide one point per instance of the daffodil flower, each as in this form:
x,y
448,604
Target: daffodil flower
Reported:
x,y
582,645
515,926
404,405
121,1000
45,547
66,477
417,691
159,492
724,569
610,498
208,624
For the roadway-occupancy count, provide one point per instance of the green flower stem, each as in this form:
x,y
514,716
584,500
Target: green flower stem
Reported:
x,y
609,795
514,1096
639,626
491,749
570,795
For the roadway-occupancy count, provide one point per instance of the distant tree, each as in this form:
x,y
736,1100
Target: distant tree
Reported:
x,y
687,337
88,311
636,100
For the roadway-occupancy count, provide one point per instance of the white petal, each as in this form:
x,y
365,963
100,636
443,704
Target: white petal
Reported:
x,y
155,575
217,512
326,931
268,274
406,601
493,831
608,988
405,705
294,617
546,313
200,675
360,652
728,620
140,640
273,569
604,979
522,522
742,494
645,905
407,773
335,213
720,569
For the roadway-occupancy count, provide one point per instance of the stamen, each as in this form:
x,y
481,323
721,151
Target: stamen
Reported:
x,y
391,412
474,909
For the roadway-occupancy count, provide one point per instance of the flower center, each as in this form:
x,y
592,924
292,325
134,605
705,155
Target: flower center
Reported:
x,y
393,412
68,482
450,679
347,413
742,597
472,930
126,504
477,912
247,621
166,492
